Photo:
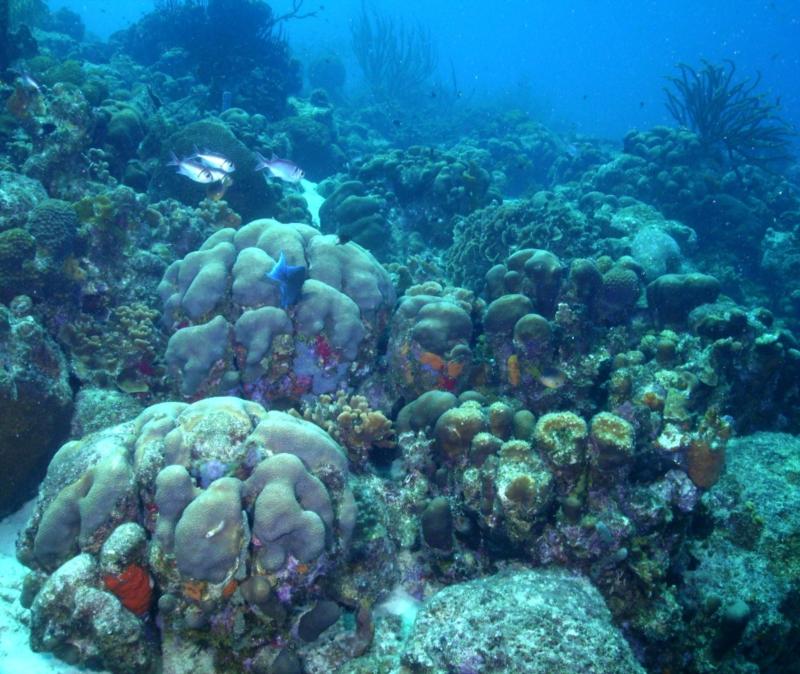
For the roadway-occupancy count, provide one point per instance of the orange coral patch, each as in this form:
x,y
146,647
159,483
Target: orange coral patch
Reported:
x,y
705,463
432,360
133,588
193,589
454,369
229,589
514,375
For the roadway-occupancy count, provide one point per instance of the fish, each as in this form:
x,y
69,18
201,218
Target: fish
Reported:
x,y
551,377
29,84
289,279
24,80
284,169
195,171
215,191
213,160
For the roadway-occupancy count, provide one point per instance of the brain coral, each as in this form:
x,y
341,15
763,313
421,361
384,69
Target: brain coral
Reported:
x,y
231,332
135,501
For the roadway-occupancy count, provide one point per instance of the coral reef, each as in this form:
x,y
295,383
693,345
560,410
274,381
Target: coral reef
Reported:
x,y
430,336
350,421
230,331
232,45
35,398
746,567
511,448
242,513
727,112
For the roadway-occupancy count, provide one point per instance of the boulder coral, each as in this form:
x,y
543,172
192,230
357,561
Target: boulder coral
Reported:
x,y
430,336
233,332
170,513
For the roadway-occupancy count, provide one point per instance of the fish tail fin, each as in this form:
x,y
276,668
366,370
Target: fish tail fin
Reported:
x,y
261,161
173,159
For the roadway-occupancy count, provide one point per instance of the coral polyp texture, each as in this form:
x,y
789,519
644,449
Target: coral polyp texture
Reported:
x,y
199,516
233,332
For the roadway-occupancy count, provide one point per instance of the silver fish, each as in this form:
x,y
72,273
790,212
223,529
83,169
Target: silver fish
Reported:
x,y
25,81
213,160
284,169
196,171
29,83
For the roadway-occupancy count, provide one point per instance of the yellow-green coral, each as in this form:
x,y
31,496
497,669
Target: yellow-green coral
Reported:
x,y
351,421
561,436
613,439
118,351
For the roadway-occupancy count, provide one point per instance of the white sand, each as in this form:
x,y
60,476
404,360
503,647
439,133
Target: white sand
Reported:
x,y
314,199
16,656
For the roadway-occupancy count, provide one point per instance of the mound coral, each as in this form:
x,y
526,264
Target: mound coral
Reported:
x,y
231,332
429,344
278,514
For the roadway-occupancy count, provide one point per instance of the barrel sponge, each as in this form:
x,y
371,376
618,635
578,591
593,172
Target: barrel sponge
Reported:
x,y
561,437
292,515
210,533
255,331
281,433
193,351
325,309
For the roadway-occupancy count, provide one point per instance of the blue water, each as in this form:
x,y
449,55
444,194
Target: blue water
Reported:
x,y
595,66
575,318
